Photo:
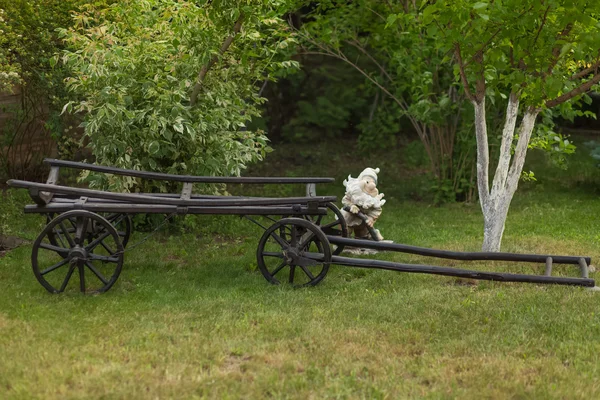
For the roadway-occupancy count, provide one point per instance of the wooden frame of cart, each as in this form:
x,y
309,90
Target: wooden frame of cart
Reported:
x,y
88,231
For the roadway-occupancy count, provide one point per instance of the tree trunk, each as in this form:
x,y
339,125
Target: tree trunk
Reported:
x,y
495,203
494,219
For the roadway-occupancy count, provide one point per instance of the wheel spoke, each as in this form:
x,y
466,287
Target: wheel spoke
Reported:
x,y
72,224
67,278
307,272
280,240
294,236
292,273
69,238
60,238
331,224
272,254
97,241
306,241
55,266
117,220
107,248
112,217
81,230
53,248
279,268
96,272
319,219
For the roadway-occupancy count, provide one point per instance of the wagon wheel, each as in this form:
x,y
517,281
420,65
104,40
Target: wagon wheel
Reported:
x,y
101,257
121,222
278,256
333,223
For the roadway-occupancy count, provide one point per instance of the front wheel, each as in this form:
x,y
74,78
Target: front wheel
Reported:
x,y
301,256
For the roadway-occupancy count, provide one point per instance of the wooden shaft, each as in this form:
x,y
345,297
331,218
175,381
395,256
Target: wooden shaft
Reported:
x,y
463,273
455,255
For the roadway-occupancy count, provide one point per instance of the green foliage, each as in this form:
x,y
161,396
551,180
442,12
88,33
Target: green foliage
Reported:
x,y
532,48
386,43
555,144
136,64
28,38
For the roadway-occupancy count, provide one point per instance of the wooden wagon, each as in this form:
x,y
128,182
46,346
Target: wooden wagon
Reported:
x,y
88,230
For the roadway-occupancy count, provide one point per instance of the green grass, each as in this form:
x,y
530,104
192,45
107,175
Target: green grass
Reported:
x,y
190,317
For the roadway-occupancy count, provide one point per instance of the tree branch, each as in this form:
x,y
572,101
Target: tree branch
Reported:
x,y
480,83
206,67
463,75
508,134
556,49
365,52
525,130
537,35
483,155
575,92
587,71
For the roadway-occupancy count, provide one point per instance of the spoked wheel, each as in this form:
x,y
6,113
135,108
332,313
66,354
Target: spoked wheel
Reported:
x,y
287,258
332,224
121,222
92,246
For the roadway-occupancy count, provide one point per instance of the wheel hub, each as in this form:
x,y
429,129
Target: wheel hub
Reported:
x,y
291,254
78,253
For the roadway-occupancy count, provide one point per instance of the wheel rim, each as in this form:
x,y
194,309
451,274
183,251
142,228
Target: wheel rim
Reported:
x,y
86,245
285,259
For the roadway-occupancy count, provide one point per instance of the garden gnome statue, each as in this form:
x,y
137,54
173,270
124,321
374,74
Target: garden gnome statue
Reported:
x,y
362,204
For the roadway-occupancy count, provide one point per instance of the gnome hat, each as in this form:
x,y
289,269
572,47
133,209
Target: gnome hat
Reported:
x,y
370,172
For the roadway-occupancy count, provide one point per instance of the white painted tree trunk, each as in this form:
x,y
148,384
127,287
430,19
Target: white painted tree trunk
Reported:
x,y
496,202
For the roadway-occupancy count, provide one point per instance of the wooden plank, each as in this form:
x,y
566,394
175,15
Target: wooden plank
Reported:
x,y
183,178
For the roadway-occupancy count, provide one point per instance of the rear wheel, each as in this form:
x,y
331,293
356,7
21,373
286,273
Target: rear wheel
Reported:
x,y
88,244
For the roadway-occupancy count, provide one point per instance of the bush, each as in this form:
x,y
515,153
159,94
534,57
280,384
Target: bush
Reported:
x,y
170,86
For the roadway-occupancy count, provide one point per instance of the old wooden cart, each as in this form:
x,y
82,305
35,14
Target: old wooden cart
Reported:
x,y
88,230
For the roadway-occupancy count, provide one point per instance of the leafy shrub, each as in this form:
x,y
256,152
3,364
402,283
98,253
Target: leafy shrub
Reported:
x,y
170,86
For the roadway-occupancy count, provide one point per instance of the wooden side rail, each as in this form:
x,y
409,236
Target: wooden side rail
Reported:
x,y
182,178
35,188
127,208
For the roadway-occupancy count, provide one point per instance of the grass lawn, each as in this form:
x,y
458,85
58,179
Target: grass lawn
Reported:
x,y
190,317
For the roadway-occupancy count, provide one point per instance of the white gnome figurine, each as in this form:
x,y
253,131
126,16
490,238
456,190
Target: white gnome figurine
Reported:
x,y
362,196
